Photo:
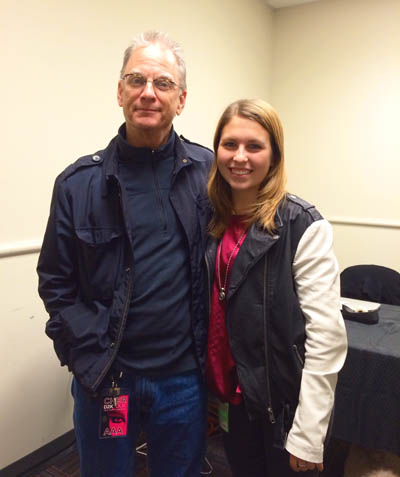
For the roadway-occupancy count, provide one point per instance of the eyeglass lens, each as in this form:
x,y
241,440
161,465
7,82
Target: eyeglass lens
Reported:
x,y
136,80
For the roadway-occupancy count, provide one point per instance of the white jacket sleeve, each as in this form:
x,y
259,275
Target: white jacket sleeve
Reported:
x,y
316,276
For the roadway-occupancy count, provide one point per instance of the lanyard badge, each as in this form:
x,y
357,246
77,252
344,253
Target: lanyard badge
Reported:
x,y
114,412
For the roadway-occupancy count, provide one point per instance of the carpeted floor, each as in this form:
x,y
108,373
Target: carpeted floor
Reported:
x,y
66,464
363,462
341,460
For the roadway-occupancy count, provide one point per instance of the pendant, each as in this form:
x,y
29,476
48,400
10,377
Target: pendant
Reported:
x,y
221,294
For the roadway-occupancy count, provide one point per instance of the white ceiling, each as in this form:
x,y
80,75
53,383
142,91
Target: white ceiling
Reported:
x,y
287,3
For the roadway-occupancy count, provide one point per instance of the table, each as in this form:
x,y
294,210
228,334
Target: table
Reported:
x,y
367,403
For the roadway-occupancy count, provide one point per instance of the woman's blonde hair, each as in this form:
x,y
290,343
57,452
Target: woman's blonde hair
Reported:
x,y
273,188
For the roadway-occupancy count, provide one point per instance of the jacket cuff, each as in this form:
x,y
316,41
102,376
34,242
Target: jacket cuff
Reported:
x,y
296,447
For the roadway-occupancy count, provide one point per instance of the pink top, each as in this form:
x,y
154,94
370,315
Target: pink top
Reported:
x,y
221,372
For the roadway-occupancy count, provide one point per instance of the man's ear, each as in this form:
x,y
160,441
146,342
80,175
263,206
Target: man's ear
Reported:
x,y
119,92
182,101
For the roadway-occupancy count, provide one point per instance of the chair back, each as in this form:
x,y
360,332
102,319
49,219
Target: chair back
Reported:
x,y
371,283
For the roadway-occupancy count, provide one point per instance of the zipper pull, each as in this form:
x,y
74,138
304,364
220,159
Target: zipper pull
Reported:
x,y
271,415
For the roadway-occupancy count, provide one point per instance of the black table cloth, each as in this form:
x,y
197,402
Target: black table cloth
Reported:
x,y
367,403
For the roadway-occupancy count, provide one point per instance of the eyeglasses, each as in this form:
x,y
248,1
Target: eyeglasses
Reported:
x,y
138,81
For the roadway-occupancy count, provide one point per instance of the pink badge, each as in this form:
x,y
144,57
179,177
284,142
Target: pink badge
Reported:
x,y
114,416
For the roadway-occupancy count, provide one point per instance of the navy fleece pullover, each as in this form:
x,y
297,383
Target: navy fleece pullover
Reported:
x,y
158,339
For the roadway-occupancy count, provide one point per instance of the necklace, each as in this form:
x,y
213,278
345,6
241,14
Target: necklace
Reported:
x,y
222,289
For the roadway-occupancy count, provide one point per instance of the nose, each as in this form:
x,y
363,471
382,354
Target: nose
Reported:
x,y
148,90
240,155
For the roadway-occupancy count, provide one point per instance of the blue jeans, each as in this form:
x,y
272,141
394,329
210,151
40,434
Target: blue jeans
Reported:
x,y
172,412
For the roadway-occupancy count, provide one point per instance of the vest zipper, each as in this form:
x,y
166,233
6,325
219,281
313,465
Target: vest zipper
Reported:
x,y
270,411
158,193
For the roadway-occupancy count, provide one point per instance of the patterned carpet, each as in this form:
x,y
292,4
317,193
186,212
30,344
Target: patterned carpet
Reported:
x,y
340,461
66,464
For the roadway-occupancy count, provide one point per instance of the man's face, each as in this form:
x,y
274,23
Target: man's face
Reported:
x,y
147,110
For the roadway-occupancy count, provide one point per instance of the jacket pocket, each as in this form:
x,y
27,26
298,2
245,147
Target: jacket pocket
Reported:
x,y
80,332
99,255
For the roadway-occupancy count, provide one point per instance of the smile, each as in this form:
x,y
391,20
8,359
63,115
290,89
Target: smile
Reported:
x,y
240,172
146,110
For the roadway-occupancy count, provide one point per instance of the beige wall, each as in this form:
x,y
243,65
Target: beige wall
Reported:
x,y
62,64
60,69
335,83
331,69
35,405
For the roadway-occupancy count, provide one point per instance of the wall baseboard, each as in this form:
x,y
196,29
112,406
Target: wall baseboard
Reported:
x,y
38,456
20,248
34,246
365,222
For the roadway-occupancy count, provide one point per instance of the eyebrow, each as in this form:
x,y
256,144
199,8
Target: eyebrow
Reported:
x,y
162,75
233,138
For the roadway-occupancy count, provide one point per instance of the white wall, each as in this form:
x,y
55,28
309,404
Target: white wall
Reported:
x,y
58,94
36,405
335,83
330,68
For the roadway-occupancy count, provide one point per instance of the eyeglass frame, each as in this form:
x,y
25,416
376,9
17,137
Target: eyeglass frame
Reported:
x,y
172,83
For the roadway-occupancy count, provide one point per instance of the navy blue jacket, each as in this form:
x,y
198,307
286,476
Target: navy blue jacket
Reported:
x,y
86,267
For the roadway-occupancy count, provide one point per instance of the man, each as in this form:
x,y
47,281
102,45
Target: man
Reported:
x,y
121,275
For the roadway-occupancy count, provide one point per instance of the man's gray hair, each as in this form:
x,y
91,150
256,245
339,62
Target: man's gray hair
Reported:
x,y
152,37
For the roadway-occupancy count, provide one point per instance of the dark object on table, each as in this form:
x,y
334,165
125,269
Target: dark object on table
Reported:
x,y
371,283
369,317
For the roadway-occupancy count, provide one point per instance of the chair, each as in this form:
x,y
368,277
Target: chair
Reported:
x,y
207,467
371,283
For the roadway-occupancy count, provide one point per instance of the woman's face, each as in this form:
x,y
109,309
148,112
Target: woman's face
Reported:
x,y
244,157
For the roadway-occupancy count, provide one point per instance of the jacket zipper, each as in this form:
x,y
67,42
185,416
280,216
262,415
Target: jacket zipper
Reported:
x,y
270,411
115,344
158,193
297,353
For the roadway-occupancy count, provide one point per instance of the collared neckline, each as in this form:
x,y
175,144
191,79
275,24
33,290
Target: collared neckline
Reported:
x,y
127,152
110,169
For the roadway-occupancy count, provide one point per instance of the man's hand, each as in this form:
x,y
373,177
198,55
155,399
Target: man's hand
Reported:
x,y
301,465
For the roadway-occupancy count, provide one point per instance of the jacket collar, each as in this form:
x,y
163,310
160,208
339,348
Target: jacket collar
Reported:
x,y
255,246
184,155
110,166
109,157
278,215
127,152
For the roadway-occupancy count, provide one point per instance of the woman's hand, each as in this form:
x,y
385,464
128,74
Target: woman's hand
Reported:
x,y
301,465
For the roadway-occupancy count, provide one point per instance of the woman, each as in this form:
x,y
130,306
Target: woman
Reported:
x,y
276,337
